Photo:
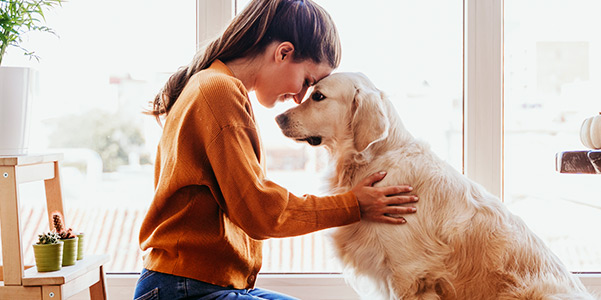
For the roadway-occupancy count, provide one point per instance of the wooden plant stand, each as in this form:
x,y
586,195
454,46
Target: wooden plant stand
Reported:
x,y
17,281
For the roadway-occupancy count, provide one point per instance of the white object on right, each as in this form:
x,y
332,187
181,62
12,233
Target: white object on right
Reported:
x,y
590,132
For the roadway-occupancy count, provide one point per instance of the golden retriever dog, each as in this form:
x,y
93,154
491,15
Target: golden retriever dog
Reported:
x,y
463,243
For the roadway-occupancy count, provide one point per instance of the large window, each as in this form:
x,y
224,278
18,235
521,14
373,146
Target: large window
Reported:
x,y
113,56
552,79
110,58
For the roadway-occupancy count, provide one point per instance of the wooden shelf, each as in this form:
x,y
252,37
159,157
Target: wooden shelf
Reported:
x,y
17,281
66,274
578,162
30,159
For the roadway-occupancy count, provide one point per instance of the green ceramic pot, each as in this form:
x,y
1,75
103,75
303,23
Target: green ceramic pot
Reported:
x,y
69,251
80,244
48,257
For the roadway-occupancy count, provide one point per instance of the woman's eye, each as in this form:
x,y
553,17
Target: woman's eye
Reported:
x,y
317,96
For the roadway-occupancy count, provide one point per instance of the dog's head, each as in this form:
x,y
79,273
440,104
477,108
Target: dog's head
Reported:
x,y
342,107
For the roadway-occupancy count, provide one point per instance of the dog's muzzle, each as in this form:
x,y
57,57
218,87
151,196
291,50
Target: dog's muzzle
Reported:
x,y
282,120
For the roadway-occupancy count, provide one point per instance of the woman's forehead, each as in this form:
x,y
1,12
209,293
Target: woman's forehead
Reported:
x,y
317,71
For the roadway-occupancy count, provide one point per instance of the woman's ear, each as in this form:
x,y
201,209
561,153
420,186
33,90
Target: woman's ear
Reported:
x,y
284,51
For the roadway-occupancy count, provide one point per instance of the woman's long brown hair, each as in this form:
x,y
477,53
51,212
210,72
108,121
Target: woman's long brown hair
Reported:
x,y
302,22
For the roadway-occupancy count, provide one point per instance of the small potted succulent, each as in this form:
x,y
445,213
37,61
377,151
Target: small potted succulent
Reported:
x,y
48,252
80,244
67,237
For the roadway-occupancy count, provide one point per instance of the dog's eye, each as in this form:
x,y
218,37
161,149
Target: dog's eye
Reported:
x,y
317,96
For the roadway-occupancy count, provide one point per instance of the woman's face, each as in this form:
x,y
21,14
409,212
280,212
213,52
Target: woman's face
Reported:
x,y
283,78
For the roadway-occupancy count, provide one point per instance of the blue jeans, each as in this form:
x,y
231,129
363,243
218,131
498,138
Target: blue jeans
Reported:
x,y
154,285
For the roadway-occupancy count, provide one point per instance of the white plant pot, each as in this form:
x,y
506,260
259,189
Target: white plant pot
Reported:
x,y
16,91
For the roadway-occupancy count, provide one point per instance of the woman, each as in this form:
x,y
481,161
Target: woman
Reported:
x,y
213,204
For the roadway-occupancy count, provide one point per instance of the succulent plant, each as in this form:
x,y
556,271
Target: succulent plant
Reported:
x,y
59,227
48,238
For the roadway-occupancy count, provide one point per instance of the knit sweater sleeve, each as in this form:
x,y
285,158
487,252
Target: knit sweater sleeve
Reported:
x,y
262,208
259,206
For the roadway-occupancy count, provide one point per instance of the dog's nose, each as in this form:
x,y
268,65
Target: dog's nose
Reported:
x,y
282,120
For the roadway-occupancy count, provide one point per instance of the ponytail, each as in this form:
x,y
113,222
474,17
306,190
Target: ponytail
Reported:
x,y
303,23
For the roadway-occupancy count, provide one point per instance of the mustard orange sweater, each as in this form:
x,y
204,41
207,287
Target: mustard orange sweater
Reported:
x,y
212,204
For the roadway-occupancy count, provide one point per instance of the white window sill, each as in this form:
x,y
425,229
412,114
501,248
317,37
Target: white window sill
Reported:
x,y
303,286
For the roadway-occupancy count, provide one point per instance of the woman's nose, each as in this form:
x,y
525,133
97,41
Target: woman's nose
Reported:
x,y
298,98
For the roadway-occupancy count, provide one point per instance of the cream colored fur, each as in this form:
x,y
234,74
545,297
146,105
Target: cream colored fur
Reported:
x,y
462,243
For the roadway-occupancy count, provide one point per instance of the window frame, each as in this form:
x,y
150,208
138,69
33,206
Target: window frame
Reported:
x,y
482,129
483,93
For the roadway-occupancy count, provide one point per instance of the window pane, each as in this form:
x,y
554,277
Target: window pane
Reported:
x,y
110,59
411,50
552,75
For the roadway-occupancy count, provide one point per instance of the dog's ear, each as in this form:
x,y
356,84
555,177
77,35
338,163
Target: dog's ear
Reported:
x,y
369,121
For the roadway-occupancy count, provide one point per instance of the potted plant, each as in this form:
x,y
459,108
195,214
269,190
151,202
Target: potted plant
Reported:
x,y
48,252
17,18
80,244
67,237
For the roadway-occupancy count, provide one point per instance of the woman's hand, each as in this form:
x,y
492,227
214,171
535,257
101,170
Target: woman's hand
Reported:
x,y
383,204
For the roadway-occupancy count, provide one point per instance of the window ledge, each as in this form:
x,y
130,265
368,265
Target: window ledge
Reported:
x,y
305,286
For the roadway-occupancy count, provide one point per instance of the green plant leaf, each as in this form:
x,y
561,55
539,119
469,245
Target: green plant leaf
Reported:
x,y
18,17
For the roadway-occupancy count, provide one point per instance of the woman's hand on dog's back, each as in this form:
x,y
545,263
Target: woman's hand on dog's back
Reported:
x,y
383,204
